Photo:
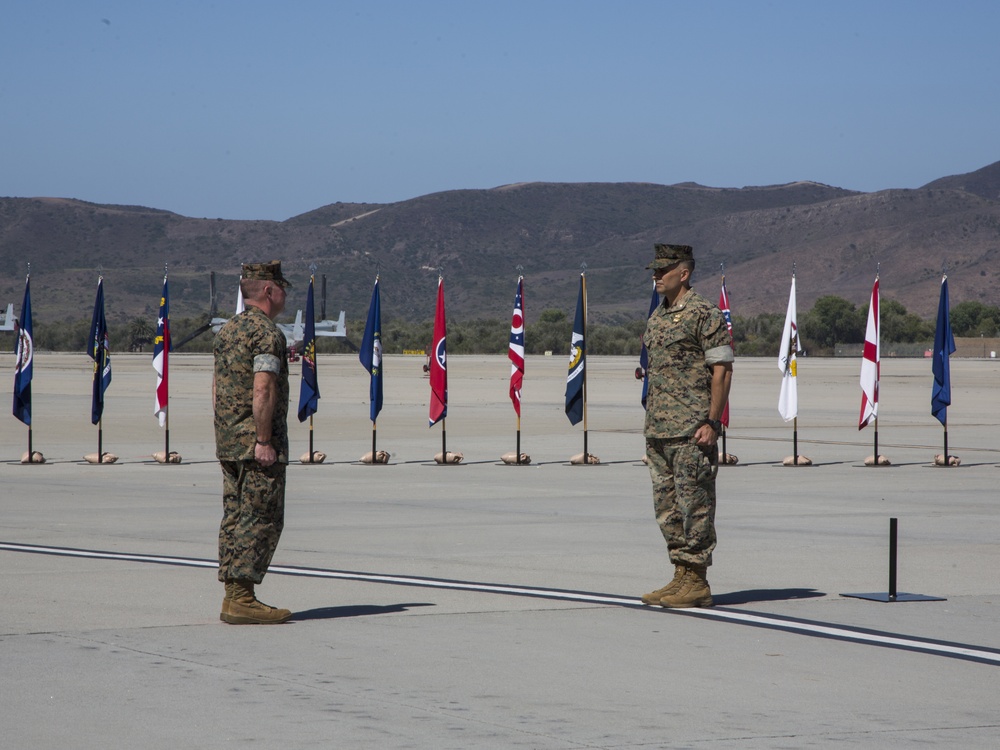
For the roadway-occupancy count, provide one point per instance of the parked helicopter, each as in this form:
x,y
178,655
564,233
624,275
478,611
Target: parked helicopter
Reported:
x,y
294,332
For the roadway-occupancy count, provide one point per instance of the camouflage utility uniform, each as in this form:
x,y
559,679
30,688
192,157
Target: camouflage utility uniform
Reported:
x,y
683,342
253,496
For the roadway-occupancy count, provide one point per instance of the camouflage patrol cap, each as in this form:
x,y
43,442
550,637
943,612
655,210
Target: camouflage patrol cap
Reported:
x,y
667,255
265,272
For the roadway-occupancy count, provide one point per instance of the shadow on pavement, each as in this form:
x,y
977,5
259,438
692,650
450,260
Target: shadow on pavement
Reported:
x,y
357,610
764,595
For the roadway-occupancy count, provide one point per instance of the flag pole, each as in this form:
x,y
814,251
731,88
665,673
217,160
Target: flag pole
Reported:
x,y
310,438
444,442
795,441
876,440
795,422
518,444
945,424
724,305
166,405
100,439
583,278
515,353
373,443
31,454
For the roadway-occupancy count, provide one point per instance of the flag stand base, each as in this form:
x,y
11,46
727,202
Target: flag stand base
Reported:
x,y
881,462
939,461
515,459
103,458
167,458
892,595
796,461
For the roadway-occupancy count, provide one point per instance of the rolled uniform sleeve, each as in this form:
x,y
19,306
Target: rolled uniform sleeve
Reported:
x,y
266,363
719,355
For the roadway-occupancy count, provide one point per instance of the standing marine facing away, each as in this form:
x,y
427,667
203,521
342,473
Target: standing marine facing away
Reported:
x,y
250,398
690,373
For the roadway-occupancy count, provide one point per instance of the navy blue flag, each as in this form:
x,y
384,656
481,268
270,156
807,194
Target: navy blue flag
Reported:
x,y
309,390
577,359
371,352
654,302
944,347
99,351
25,355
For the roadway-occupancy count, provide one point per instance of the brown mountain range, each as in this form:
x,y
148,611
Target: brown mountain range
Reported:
x,y
833,238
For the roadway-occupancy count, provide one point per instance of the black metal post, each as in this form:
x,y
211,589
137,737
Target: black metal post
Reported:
x,y
795,443
892,559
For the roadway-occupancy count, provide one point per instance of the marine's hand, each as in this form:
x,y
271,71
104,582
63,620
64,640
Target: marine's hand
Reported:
x,y
705,436
265,454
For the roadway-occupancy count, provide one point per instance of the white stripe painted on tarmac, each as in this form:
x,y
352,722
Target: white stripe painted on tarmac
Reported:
x,y
805,627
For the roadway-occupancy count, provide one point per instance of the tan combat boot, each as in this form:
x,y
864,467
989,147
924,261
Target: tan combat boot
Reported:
x,y
653,597
226,600
693,591
245,609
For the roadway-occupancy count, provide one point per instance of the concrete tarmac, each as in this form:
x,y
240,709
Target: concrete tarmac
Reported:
x,y
491,606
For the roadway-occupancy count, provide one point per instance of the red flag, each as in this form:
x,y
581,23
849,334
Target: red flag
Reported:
x,y
515,352
724,306
439,369
870,364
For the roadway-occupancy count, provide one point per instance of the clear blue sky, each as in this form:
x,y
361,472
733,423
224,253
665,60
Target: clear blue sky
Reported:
x,y
247,109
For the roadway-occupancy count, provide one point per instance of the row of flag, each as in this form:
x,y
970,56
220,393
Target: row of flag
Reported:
x,y
944,347
370,356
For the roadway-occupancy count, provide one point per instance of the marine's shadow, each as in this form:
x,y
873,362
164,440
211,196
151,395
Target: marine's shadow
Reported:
x,y
356,610
764,595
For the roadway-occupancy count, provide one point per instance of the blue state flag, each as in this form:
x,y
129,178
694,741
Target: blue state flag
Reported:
x,y
575,378
371,352
99,351
309,390
944,347
25,357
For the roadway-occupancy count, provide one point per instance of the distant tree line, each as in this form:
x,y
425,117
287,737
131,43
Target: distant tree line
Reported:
x,y
831,321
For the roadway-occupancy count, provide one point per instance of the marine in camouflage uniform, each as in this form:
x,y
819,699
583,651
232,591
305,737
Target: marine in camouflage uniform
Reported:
x,y
690,370
251,436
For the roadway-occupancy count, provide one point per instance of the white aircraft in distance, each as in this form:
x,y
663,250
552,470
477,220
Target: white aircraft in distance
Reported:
x,y
8,319
294,332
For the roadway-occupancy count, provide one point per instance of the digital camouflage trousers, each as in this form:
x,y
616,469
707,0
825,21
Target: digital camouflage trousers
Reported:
x,y
683,476
253,515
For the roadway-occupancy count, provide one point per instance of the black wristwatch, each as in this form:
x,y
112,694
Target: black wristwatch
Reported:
x,y
715,424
